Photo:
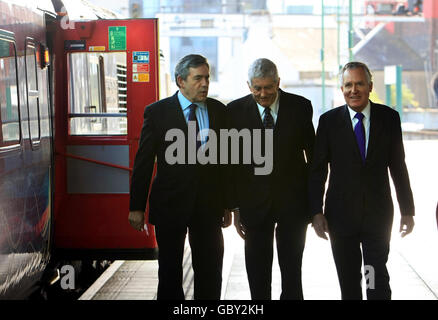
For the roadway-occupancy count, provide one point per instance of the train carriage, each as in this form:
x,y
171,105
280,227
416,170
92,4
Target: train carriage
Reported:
x,y
86,75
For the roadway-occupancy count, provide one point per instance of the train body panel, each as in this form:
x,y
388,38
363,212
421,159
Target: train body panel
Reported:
x,y
51,212
25,149
106,73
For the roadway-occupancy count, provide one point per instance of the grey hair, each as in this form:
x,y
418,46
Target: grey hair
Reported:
x,y
356,65
262,68
183,66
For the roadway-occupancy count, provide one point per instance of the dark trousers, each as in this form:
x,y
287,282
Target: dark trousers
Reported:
x,y
259,242
207,246
347,253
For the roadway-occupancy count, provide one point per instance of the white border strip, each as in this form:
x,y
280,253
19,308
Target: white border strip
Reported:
x,y
100,282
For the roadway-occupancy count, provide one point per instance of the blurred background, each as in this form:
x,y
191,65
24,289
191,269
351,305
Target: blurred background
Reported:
x,y
309,41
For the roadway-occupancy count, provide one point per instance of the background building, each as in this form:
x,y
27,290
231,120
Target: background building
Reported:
x,y
232,33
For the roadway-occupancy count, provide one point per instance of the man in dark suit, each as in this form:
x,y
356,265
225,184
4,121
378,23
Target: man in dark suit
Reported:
x,y
184,196
276,201
360,141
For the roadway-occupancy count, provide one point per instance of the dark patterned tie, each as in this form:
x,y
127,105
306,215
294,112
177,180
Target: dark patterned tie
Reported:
x,y
268,120
192,117
359,131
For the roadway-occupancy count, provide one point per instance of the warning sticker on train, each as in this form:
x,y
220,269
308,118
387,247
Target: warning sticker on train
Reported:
x,y
96,48
140,77
140,67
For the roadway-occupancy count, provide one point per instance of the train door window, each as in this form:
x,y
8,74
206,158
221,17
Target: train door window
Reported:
x,y
10,133
32,93
98,93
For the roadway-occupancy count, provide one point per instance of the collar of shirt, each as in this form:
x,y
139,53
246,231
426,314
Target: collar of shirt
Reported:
x,y
366,112
201,115
274,108
185,104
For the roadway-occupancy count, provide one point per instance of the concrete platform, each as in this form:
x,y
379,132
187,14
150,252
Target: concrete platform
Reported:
x,y
412,264
137,280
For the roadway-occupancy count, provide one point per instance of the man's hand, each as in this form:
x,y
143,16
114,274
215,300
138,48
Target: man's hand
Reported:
x,y
406,225
136,219
320,225
239,226
226,219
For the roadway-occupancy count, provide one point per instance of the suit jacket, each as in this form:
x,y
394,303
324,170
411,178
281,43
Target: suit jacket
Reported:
x,y
358,197
282,193
177,188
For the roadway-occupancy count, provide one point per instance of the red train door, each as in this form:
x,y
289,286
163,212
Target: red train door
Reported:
x,y
106,72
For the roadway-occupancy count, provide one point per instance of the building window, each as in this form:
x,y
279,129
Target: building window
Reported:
x,y
205,46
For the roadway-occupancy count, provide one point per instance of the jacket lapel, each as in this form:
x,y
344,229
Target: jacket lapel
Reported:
x,y
347,131
281,112
211,116
175,114
375,128
254,114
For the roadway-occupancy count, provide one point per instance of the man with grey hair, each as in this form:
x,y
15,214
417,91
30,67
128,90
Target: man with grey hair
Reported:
x,y
359,142
276,202
184,198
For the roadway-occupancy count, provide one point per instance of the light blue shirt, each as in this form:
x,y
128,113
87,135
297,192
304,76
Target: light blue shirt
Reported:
x,y
274,108
201,114
366,122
